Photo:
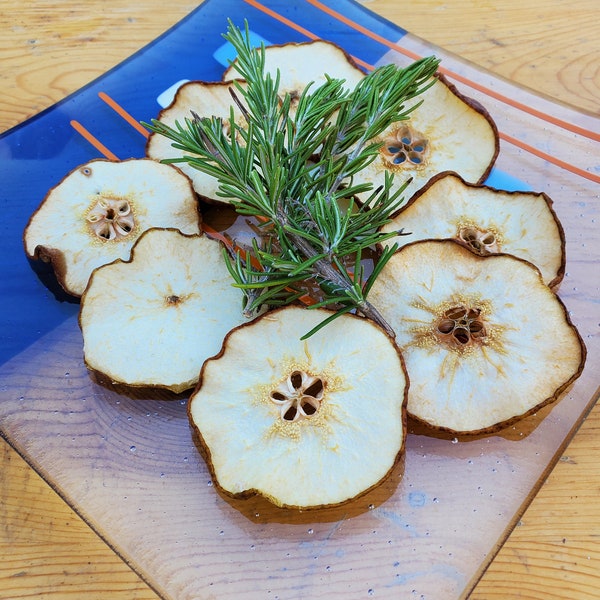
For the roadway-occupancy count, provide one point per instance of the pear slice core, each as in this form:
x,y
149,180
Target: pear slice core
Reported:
x,y
445,132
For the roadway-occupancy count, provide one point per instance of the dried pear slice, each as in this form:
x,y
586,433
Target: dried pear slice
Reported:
x,y
447,132
152,321
484,339
98,211
307,62
487,220
206,100
304,423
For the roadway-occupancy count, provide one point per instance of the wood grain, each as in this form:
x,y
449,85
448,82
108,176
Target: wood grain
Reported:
x,y
535,43
47,550
50,49
554,553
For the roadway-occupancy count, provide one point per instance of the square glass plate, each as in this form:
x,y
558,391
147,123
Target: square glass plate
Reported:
x,y
126,462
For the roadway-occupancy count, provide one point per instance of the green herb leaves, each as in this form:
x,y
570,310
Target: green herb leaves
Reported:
x,y
290,165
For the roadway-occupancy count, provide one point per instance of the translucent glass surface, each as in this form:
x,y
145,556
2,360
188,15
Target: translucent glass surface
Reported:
x,y
126,460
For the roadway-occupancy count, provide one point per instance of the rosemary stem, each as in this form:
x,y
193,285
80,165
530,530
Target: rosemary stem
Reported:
x,y
296,162
325,270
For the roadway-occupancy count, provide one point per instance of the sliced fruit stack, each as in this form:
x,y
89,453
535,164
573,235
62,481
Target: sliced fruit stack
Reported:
x,y
317,422
447,131
296,64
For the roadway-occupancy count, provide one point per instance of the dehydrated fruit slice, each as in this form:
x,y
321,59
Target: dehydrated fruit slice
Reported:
x,y
447,132
484,339
152,321
487,220
206,100
305,423
307,62
98,211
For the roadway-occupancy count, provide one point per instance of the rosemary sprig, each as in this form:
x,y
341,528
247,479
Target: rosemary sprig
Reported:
x,y
293,169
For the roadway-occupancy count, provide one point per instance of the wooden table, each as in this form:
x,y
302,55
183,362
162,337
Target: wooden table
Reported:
x,y
49,49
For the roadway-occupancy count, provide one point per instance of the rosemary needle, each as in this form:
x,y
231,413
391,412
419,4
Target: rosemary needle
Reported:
x,y
292,168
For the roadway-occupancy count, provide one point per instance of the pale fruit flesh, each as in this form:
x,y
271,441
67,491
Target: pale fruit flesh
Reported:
x,y
98,211
446,132
153,320
487,220
353,435
205,100
485,340
300,64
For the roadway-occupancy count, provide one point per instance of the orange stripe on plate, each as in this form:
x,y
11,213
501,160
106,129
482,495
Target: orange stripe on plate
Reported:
x,y
296,27
496,95
217,235
551,159
123,113
281,19
79,128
